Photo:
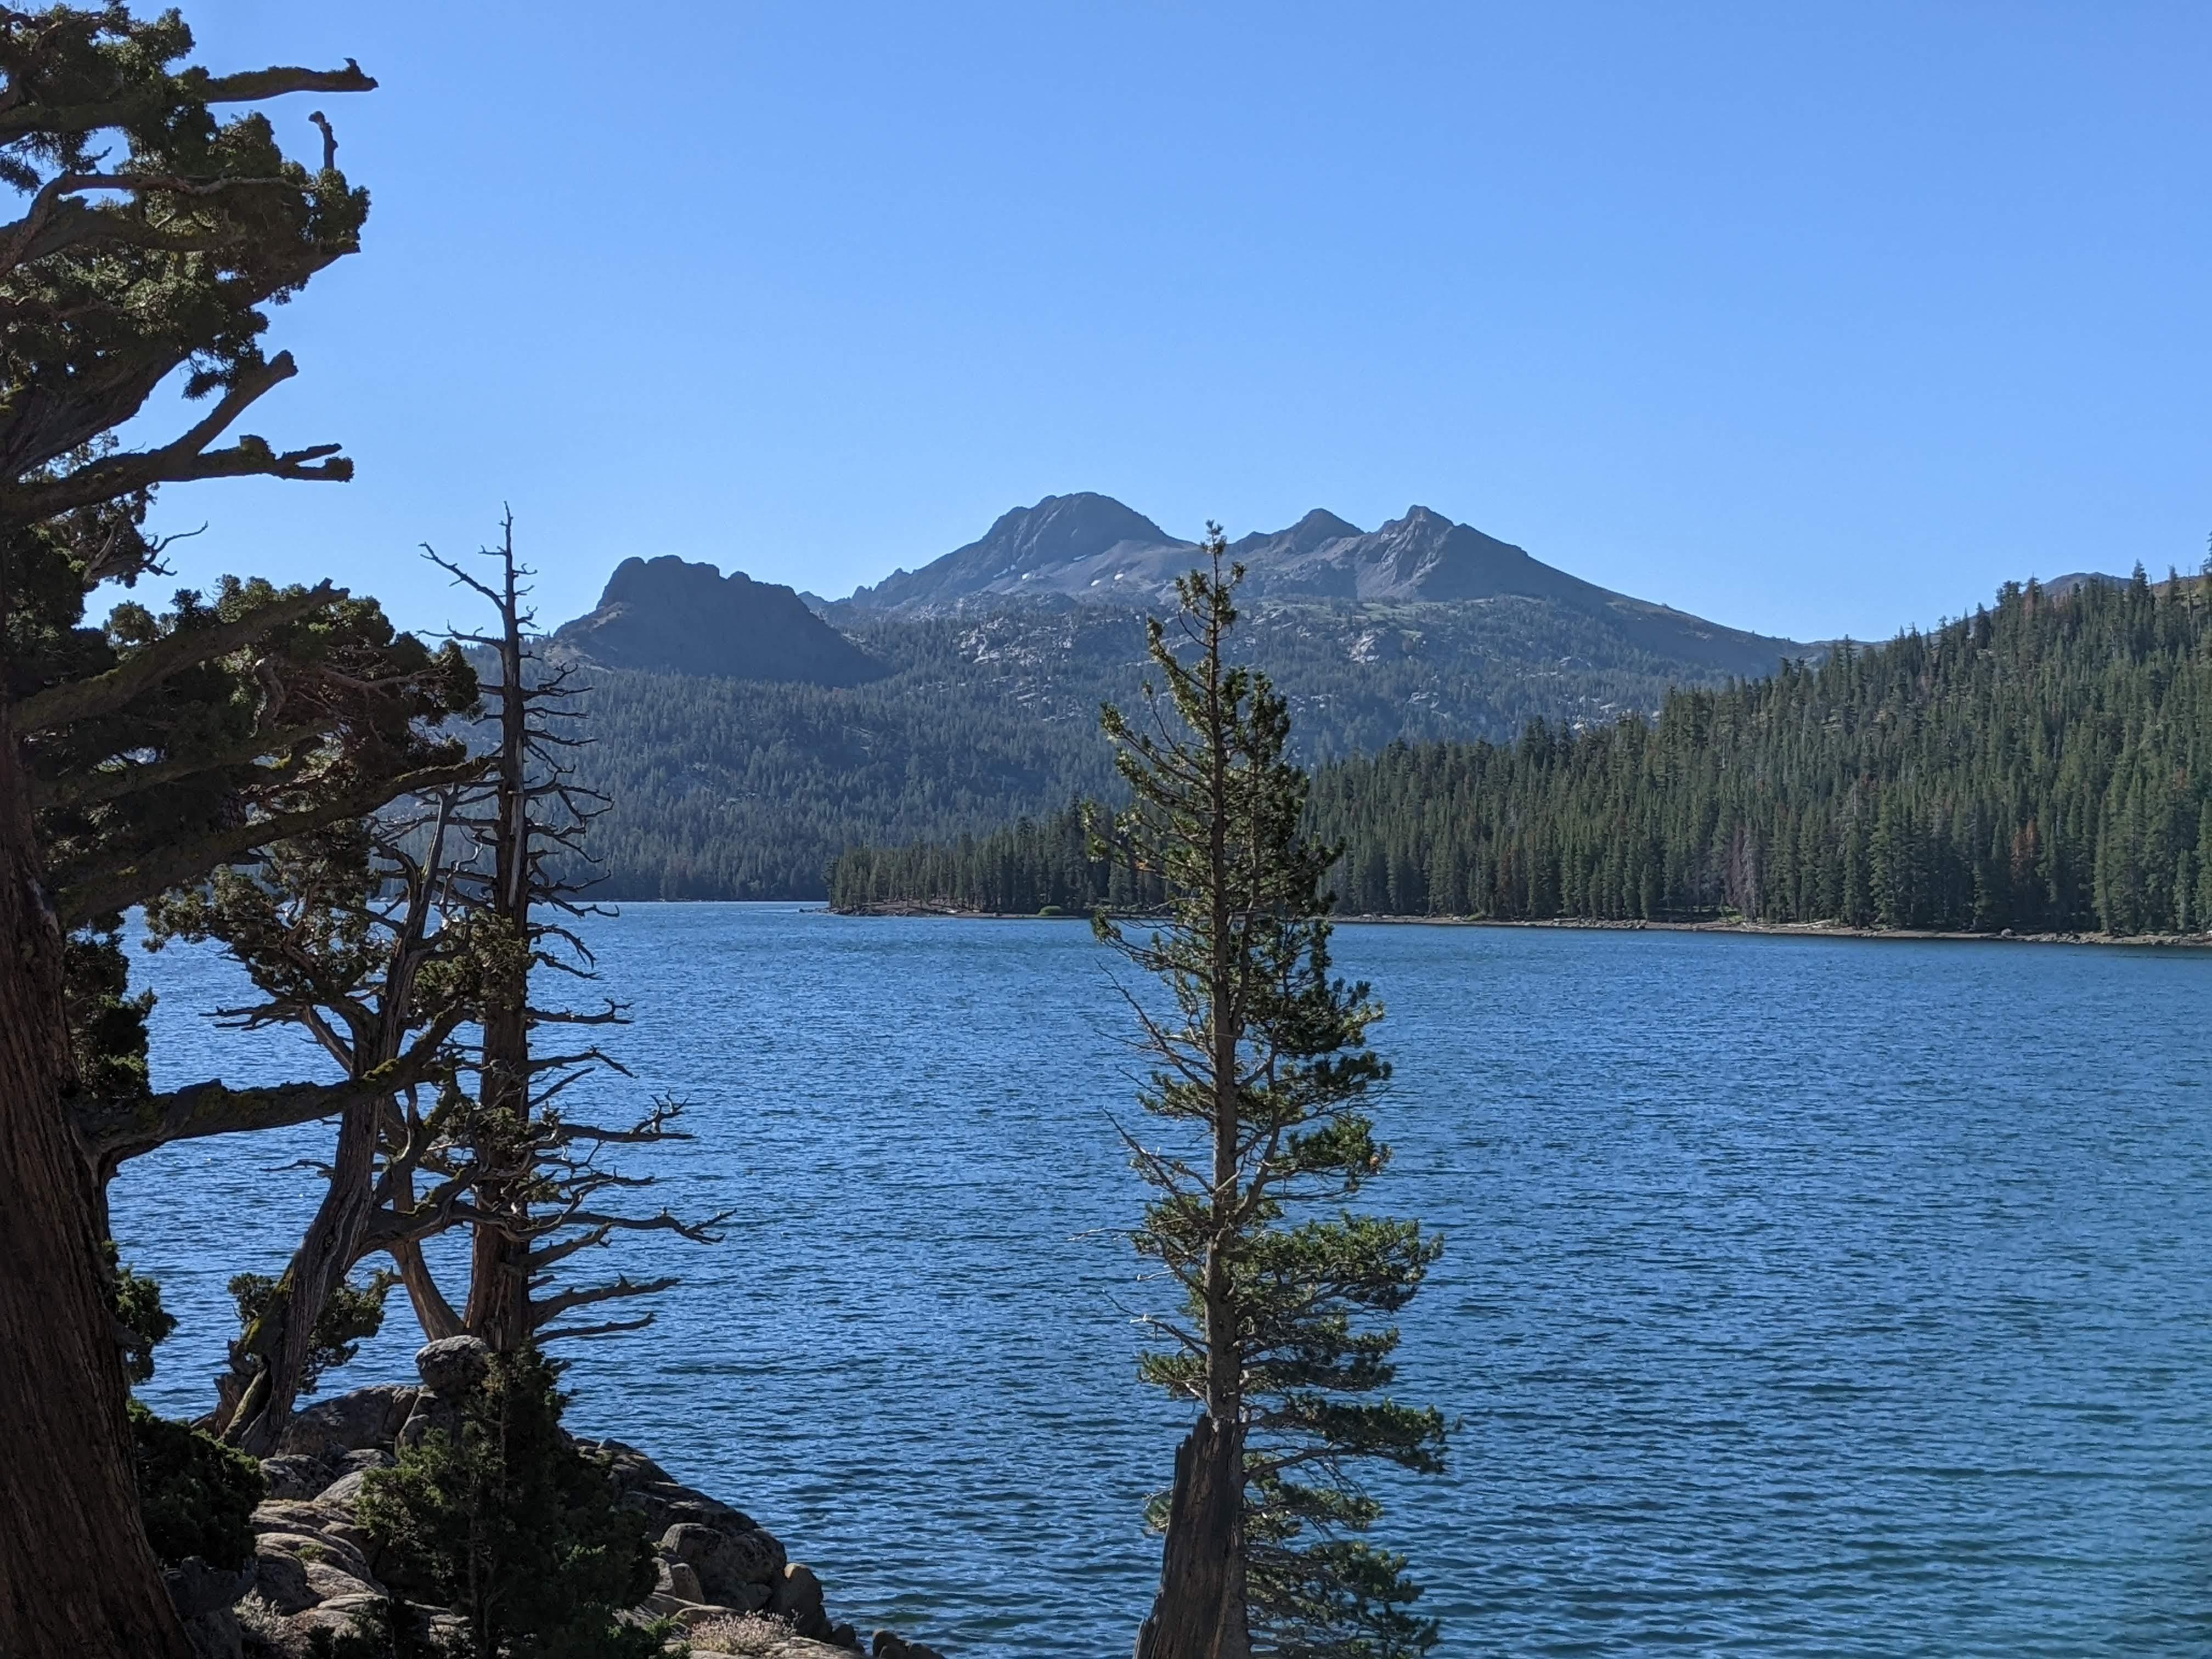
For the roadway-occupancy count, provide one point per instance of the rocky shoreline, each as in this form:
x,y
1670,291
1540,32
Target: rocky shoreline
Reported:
x,y
727,1580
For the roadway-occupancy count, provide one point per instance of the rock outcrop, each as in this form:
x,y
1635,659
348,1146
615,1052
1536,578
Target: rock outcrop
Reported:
x,y
722,1575
666,616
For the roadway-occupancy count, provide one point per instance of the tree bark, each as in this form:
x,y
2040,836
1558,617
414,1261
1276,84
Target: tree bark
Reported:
x,y
269,1358
432,1311
499,1276
1198,1612
76,1576
499,1259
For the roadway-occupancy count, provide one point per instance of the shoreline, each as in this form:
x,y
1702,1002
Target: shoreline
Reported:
x,y
1594,924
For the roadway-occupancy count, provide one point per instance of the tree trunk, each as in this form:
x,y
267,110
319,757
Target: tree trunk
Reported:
x,y
267,1362
1198,1612
76,1576
499,1288
499,1276
499,1261
432,1311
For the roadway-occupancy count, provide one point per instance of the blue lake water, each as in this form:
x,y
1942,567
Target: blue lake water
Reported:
x,y
1802,1298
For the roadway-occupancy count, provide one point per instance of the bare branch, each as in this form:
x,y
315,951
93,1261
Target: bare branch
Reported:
x,y
183,460
581,1333
551,1309
113,1131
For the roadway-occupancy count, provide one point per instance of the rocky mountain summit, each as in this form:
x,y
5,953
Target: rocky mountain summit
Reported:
x,y
1420,556
1072,545
1091,547
725,1578
672,617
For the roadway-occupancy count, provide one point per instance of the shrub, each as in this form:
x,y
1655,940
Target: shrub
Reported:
x,y
353,1314
742,1633
517,1530
143,1322
196,1493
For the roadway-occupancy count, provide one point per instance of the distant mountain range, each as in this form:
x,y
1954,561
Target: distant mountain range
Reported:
x,y
1089,548
1093,548
748,733
667,615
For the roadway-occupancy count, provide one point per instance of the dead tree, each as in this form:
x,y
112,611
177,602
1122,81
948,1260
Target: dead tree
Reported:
x,y
539,1193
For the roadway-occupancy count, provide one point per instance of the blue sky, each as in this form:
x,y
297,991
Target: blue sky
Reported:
x,y
1811,320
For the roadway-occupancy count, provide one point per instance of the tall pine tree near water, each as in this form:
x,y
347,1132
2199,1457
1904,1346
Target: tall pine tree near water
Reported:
x,y
1261,1076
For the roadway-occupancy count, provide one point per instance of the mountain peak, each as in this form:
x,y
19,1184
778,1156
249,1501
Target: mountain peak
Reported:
x,y
1066,527
1091,547
1421,521
1317,529
670,616
1059,533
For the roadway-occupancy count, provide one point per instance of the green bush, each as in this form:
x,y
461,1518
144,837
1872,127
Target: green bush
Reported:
x,y
143,1321
517,1530
353,1315
196,1493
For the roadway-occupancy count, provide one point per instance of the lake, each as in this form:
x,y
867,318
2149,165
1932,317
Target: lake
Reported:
x,y
1802,1296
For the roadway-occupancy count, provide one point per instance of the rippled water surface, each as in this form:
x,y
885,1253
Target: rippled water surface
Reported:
x,y
1802,1296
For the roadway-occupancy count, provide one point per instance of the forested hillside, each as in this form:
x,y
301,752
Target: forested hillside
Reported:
x,y
2045,764
724,788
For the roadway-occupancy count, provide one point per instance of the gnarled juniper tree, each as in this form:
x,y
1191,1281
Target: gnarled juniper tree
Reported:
x,y
1261,1073
350,935
150,235
381,938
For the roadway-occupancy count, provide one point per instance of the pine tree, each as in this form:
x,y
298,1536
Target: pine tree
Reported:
x,y
1263,1072
537,1180
152,236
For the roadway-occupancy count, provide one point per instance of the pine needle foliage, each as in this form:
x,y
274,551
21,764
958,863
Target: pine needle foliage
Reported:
x,y
142,1322
518,1531
2044,765
196,1495
1261,1077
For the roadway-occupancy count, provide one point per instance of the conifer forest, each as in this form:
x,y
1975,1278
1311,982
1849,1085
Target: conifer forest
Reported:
x,y
2041,765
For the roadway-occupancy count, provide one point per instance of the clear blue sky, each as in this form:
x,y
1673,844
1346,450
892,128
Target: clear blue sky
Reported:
x,y
1811,320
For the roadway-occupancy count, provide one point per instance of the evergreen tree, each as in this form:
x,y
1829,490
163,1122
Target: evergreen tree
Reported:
x,y
1263,1071
348,936
2045,764
133,757
517,1530
537,1179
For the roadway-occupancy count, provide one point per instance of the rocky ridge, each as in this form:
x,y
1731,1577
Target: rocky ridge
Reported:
x,y
1088,549
667,615
722,1576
